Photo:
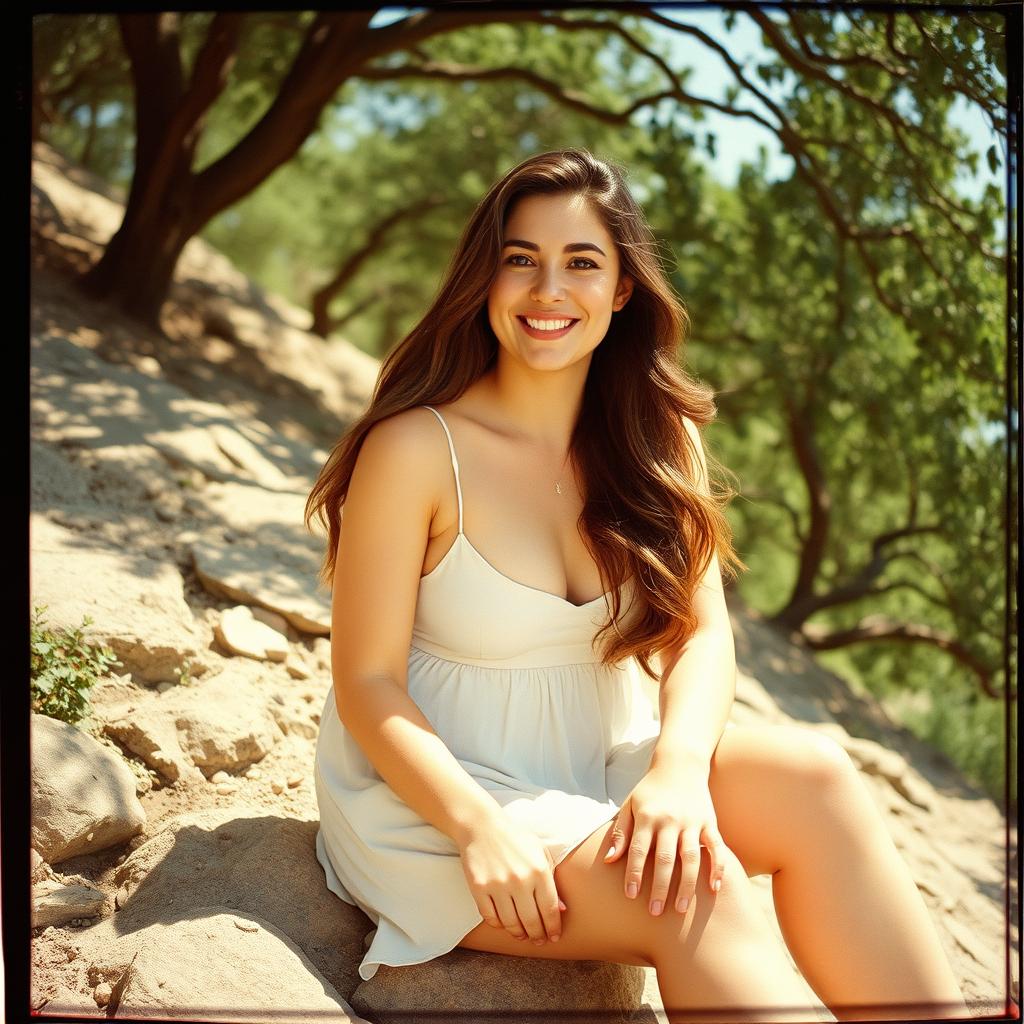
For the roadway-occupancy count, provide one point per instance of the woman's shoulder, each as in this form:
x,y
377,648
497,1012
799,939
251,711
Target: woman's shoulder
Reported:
x,y
406,442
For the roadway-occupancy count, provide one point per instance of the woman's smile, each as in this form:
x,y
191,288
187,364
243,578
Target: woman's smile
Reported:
x,y
547,328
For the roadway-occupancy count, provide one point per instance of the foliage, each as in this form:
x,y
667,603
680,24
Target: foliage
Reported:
x,y
64,665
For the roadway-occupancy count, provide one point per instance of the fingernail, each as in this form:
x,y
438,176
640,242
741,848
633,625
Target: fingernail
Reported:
x,y
611,852
683,904
538,942
656,907
562,905
555,938
717,884
631,890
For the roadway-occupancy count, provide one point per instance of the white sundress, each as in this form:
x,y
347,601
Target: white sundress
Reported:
x,y
509,678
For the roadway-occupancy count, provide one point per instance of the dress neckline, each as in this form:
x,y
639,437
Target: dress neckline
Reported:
x,y
508,579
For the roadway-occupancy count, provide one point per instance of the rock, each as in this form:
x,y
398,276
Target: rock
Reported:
x,y
241,633
58,905
257,569
79,788
143,618
216,964
37,866
246,858
296,669
222,724
467,985
153,736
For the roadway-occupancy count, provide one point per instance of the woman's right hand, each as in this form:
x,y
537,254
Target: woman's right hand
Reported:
x,y
511,876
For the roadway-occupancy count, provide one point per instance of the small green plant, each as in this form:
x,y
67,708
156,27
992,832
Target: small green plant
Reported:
x,y
64,666
184,673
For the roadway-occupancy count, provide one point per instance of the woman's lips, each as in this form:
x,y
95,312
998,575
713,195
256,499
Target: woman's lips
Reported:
x,y
549,335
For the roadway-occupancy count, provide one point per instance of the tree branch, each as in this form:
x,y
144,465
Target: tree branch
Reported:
x,y
873,628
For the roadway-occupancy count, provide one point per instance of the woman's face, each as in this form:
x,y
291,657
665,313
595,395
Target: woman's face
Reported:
x,y
539,280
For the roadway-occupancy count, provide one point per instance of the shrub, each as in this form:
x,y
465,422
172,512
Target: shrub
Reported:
x,y
64,666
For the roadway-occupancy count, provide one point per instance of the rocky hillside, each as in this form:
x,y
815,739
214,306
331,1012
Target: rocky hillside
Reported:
x,y
173,831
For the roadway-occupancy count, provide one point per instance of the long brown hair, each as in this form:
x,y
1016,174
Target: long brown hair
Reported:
x,y
644,512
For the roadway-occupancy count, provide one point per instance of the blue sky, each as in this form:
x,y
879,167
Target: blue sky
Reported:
x,y
738,140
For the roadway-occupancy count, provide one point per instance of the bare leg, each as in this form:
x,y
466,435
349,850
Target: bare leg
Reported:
x,y
855,921
790,802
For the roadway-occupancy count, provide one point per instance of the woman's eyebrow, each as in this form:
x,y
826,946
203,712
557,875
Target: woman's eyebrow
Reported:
x,y
571,247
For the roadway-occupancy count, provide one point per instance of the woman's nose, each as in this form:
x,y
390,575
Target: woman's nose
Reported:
x,y
547,285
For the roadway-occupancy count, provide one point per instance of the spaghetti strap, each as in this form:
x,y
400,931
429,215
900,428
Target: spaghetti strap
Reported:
x,y
455,461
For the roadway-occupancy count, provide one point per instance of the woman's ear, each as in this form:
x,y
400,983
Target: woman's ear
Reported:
x,y
622,293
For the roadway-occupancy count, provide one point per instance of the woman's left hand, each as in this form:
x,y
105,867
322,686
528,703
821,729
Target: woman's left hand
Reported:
x,y
669,812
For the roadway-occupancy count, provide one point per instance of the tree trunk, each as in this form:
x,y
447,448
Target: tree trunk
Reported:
x,y
137,267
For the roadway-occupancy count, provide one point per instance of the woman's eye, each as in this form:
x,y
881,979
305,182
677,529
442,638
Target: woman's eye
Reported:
x,y
588,264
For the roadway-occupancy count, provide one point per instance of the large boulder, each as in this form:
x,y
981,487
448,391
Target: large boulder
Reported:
x,y
83,794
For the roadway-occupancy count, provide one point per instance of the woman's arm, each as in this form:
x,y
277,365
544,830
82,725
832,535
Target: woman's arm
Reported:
x,y
391,499
698,680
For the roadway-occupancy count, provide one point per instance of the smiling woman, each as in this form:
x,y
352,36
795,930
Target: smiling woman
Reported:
x,y
485,748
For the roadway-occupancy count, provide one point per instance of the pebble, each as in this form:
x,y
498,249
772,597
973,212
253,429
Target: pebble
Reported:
x,y
277,786
226,788
254,773
221,776
294,780
101,993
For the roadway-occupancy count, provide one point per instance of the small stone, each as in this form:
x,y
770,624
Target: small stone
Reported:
x,y
254,773
240,633
277,786
88,837
294,780
220,776
296,669
101,993
164,686
226,789
148,366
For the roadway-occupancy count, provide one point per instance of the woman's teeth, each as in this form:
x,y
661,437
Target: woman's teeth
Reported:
x,y
547,325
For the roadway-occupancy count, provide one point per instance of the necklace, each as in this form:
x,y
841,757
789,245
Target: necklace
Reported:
x,y
558,484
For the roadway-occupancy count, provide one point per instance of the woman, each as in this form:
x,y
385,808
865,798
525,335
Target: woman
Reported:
x,y
484,770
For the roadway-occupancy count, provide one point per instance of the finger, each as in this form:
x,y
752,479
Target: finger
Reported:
x,y
486,907
509,916
529,914
689,855
716,850
550,909
639,846
666,845
619,834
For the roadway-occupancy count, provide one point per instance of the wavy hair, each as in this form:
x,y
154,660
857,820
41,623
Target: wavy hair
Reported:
x,y
646,513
